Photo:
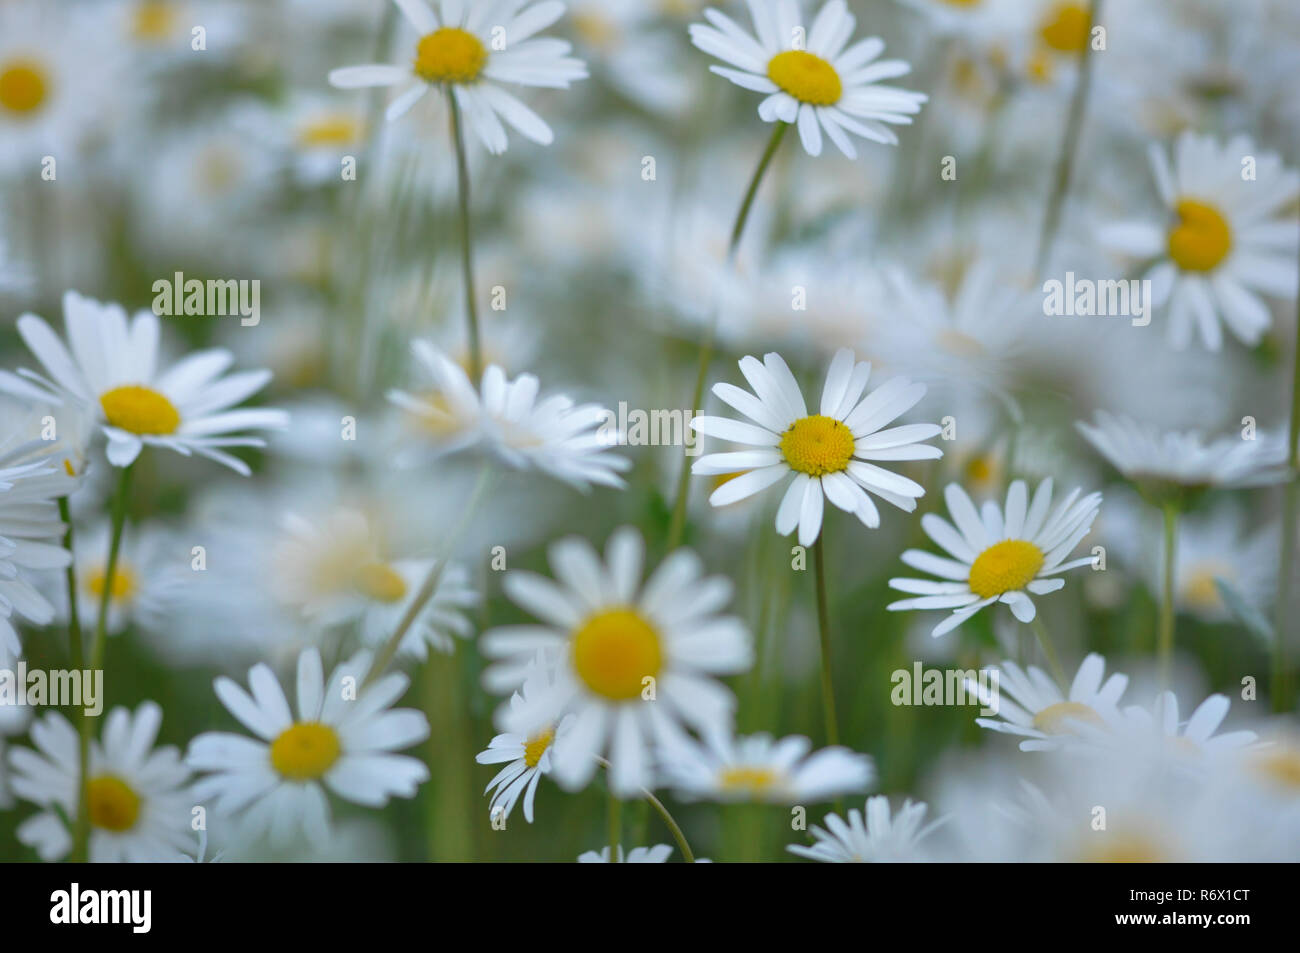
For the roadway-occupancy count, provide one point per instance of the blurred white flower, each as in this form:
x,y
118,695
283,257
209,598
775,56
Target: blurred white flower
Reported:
x,y
761,768
658,854
879,839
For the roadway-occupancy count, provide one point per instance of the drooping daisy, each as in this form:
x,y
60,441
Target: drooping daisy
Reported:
x,y
138,796
528,754
829,454
1000,555
1031,704
343,739
761,768
112,371
658,854
633,662
462,54
1226,240
553,434
879,839
815,82
1160,461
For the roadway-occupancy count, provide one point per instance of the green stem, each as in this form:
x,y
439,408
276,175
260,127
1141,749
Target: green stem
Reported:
x,y
81,826
824,634
664,814
1069,146
615,824
1290,504
1045,643
466,245
1165,649
110,568
678,524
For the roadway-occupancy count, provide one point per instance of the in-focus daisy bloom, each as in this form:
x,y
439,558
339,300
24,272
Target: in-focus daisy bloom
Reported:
x,y
112,370
632,662
1000,555
343,739
1032,705
553,435
831,455
823,85
138,796
1227,239
761,768
1162,463
461,53
658,854
528,754
880,838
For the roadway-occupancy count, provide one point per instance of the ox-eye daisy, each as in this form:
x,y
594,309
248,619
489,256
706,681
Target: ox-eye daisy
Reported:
x,y
658,854
828,453
1225,240
879,839
1159,729
138,799
554,435
459,52
999,555
632,662
1031,704
818,84
112,369
528,754
343,738
761,768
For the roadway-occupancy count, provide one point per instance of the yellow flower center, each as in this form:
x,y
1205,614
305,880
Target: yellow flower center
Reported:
x,y
1005,567
748,780
1122,848
597,30
123,582
153,20
23,86
139,410
537,745
1201,239
805,76
1067,28
381,582
614,651
963,3
450,55
1059,719
113,805
1202,590
328,131
818,445
305,751
1282,767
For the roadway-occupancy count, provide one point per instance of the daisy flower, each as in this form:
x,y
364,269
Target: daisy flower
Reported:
x,y
112,371
462,54
553,435
343,739
1225,241
761,768
658,854
1002,554
818,84
528,754
1159,462
881,838
632,662
1197,736
828,454
1031,704
138,796
151,572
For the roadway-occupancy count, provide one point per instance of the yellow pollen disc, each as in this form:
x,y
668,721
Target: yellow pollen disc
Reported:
x,y
818,445
68,468
22,86
153,20
596,30
963,3
1067,28
1059,719
305,751
1005,567
381,583
1123,849
113,805
805,76
537,745
747,779
1201,591
329,131
982,469
123,582
1283,768
450,55
139,410
1201,238
614,650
